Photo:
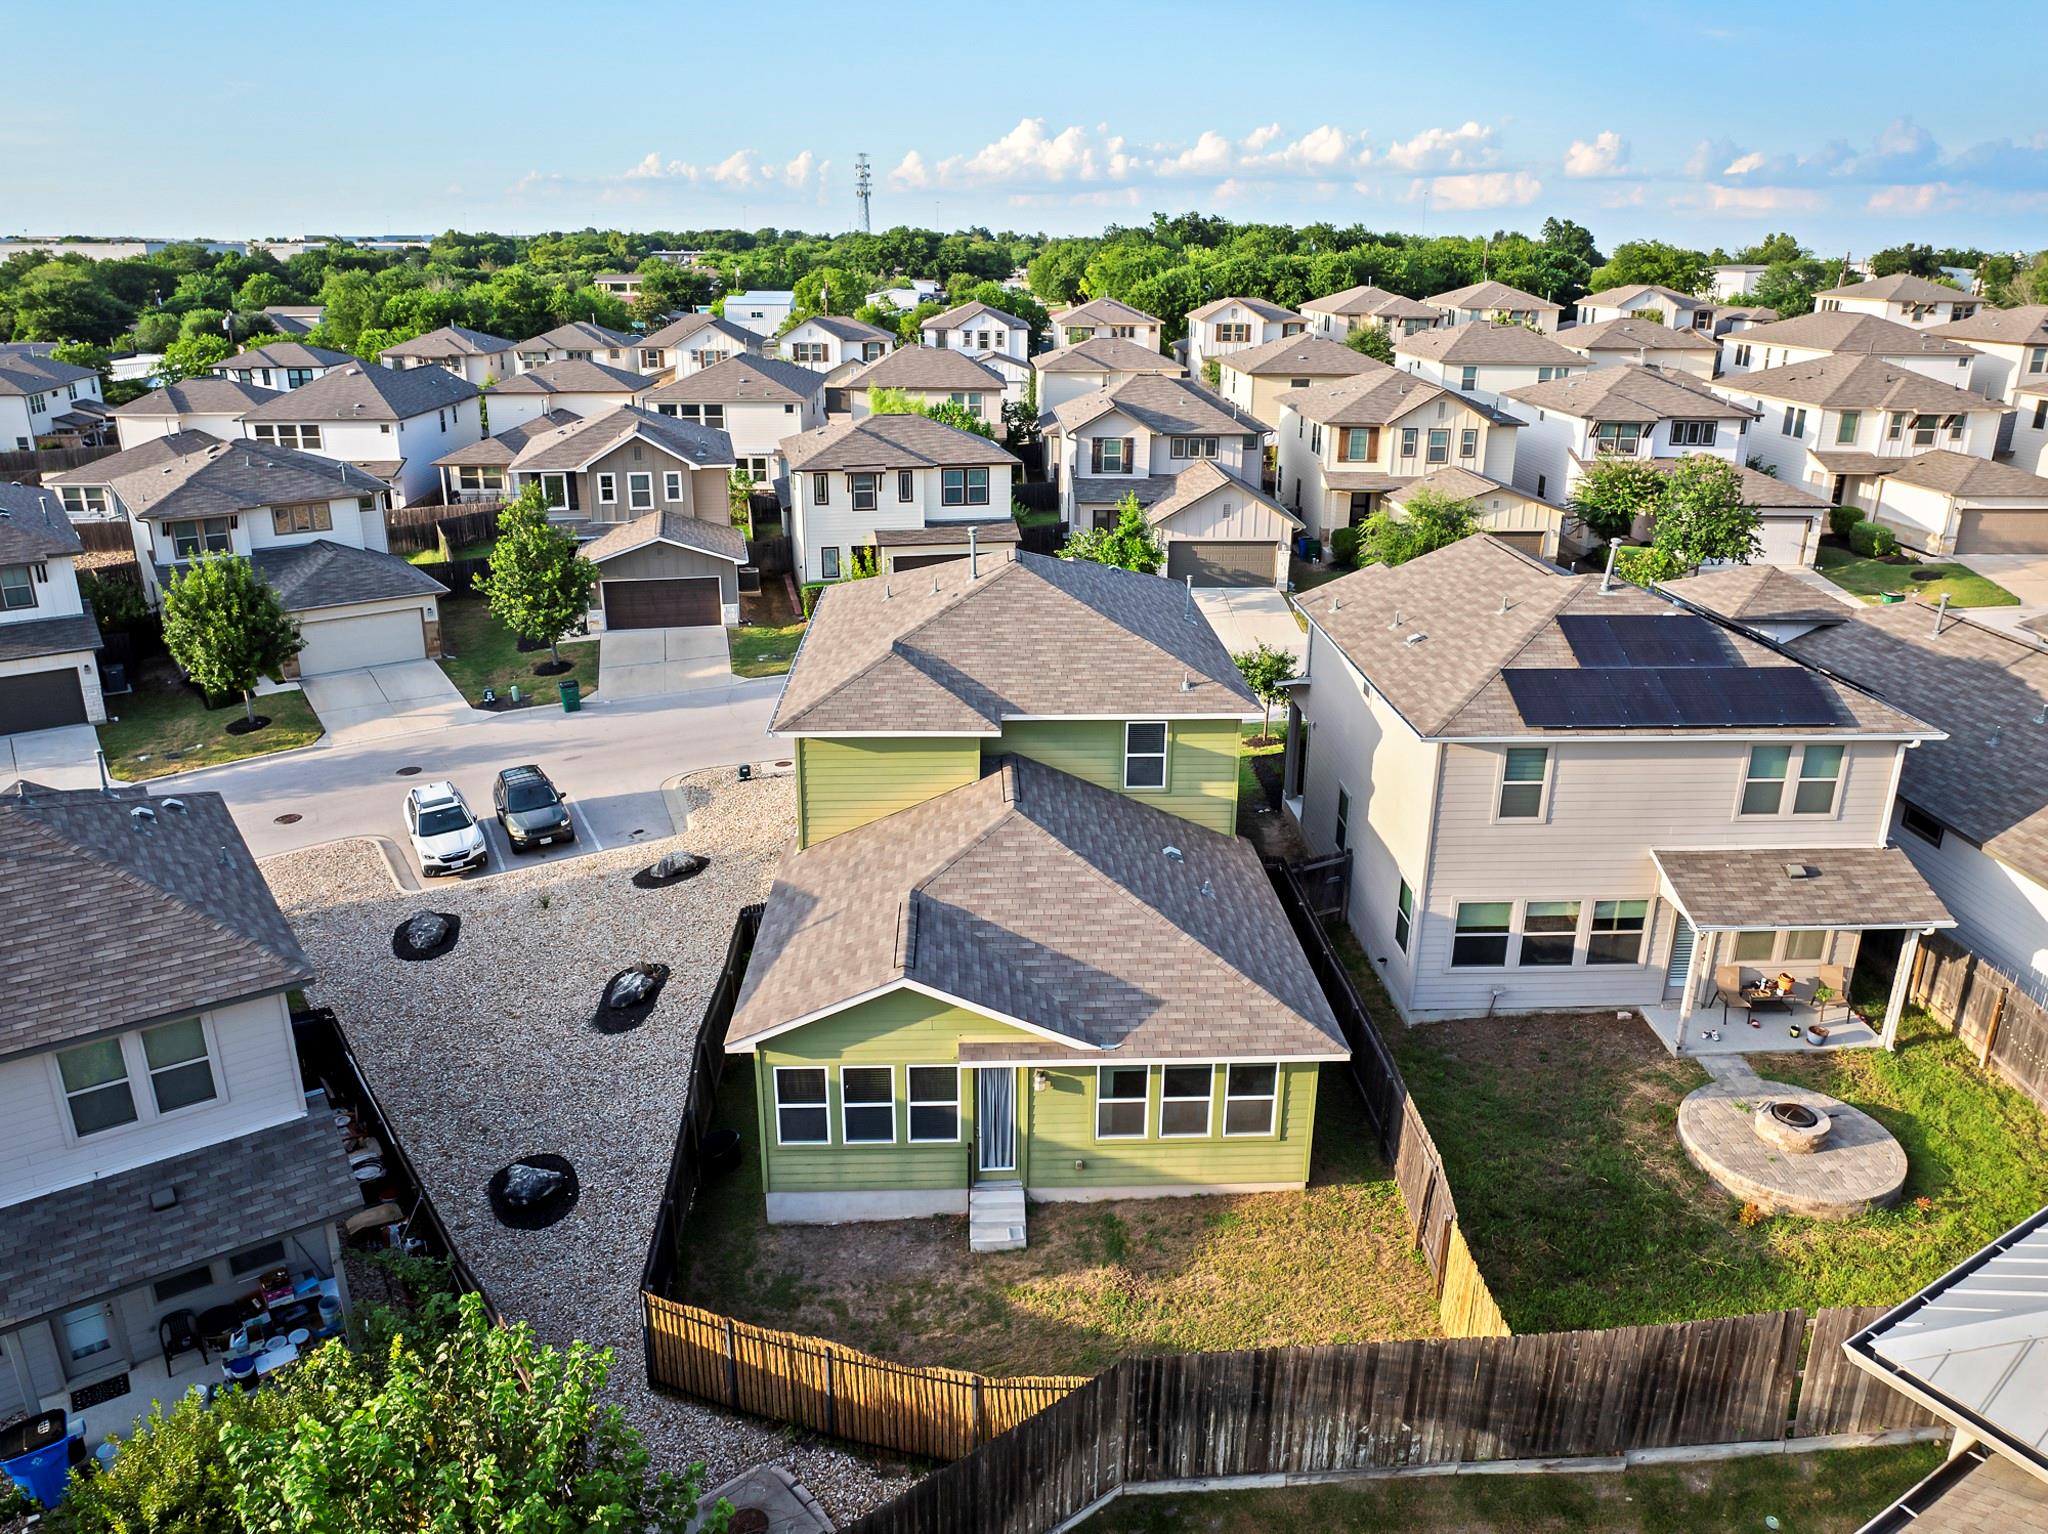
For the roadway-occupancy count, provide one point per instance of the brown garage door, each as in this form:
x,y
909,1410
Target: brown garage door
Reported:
x,y
661,604
42,700
1221,564
1528,543
2003,532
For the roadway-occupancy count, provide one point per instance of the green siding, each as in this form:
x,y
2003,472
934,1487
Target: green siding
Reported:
x,y
1063,1132
842,784
1201,761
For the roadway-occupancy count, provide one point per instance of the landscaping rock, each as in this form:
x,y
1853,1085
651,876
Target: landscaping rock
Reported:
x,y
528,1185
629,998
631,989
427,929
426,935
670,868
533,1192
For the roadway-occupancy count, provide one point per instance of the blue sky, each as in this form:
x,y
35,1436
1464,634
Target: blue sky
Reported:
x,y
1703,124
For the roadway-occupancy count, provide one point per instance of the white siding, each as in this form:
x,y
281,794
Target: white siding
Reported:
x,y
2000,912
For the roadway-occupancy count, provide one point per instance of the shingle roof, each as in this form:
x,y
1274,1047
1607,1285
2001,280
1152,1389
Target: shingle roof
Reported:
x,y
1764,491
721,539
49,636
925,367
1264,309
1037,636
499,451
1630,392
1372,303
1761,594
1497,296
450,341
1199,481
1902,287
324,573
1961,474
79,867
1372,398
202,394
103,1235
742,380
1858,381
1297,356
1835,887
26,373
1150,489
1632,292
1465,484
1104,311
1170,406
986,534
362,391
1482,607
573,376
1844,330
191,474
579,335
1627,333
283,354
1488,342
676,332
891,442
574,445
847,329
967,313
1105,354
33,525
1033,895
2026,325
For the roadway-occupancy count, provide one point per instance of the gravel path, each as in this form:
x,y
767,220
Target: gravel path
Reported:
x,y
487,1054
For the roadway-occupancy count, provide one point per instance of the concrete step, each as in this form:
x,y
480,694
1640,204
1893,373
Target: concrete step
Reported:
x,y
995,1217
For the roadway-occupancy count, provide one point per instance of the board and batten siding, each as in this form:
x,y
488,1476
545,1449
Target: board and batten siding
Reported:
x,y
670,561
1201,762
842,784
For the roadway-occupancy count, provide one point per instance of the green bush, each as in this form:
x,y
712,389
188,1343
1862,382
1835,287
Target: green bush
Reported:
x,y
812,590
1842,521
1873,540
1344,546
1644,565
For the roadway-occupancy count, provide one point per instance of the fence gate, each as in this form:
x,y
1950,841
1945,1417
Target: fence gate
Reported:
x,y
1327,883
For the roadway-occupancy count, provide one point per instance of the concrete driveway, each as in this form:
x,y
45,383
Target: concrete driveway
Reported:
x,y
1244,615
653,663
60,758
385,700
2026,577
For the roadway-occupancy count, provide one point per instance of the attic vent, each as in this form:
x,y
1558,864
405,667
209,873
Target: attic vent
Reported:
x,y
175,804
1395,621
141,815
1175,853
1799,871
1413,639
1208,890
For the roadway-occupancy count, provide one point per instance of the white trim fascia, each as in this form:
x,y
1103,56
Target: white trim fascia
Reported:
x,y
750,1044
1792,734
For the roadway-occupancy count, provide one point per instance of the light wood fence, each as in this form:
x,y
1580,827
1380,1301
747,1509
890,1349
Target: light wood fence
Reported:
x,y
1987,1009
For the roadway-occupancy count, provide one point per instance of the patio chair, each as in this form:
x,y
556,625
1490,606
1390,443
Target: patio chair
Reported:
x,y
1728,987
177,1333
1836,978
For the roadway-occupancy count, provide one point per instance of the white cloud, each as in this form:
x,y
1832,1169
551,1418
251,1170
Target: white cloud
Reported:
x,y
1924,198
1443,149
1259,138
1027,153
1742,165
1605,154
1485,189
910,172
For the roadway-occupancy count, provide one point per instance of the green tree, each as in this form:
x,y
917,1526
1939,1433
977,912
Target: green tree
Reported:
x,y
1264,670
946,412
1571,239
1653,261
1129,544
739,494
538,586
188,358
1429,520
1372,341
1919,260
1613,492
226,628
1703,516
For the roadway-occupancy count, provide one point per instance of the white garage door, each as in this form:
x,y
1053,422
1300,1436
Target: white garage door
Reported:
x,y
378,639
1787,541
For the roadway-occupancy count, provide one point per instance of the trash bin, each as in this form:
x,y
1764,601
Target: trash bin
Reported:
x,y
36,1456
572,696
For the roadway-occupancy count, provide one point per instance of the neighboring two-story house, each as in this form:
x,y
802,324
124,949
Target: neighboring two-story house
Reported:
x,y
554,388
626,464
1228,325
1647,301
1105,317
1338,314
481,358
1017,791
2011,366
1902,297
578,341
981,330
392,423
755,401
930,375
1088,367
1561,793
42,397
1625,412
1618,342
1134,438
162,1154
692,343
281,365
910,488
1486,360
201,403
480,473
830,343
1253,378
1830,333
49,676
760,310
1494,301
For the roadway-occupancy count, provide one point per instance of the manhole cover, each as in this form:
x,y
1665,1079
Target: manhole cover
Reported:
x,y
410,772
287,820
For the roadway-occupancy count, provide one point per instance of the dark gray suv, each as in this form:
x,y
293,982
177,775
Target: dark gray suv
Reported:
x,y
532,810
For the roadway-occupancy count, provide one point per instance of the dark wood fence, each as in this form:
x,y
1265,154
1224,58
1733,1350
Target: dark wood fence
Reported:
x,y
1042,537
771,556
49,460
105,537
1036,495
1987,1009
411,529
459,575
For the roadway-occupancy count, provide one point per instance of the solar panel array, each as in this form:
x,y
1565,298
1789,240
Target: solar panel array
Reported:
x,y
1644,639
1666,697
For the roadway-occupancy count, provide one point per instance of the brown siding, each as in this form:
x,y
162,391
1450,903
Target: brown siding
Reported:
x,y
665,561
620,461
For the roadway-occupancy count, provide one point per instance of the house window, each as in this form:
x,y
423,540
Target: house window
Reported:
x,y
2040,415
934,1104
189,540
905,485
191,1281
1618,438
801,1117
1468,378
1954,426
640,492
1742,356
304,438
2037,359
867,1105
963,487
1845,427
810,353
1763,782
1184,1094
1895,427
650,358
296,377
1439,444
1523,774
1921,824
971,402
866,490
1617,936
1404,915
1755,947
17,588
1251,1096
179,1072
1120,1102
1229,335
269,1255
1078,333
1409,436
300,519
672,485
87,500
828,563
1794,424
1807,945
1144,755
1820,774
1550,930
96,1087
607,489
1692,433
1194,447
1468,442
1109,456
1361,444
1481,938
821,489
554,489
1924,428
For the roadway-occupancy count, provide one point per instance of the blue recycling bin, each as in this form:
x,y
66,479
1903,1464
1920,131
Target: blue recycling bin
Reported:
x,y
39,1457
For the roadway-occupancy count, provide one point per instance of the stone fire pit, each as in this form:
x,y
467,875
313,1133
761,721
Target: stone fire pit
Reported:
x,y
1798,1129
1790,1150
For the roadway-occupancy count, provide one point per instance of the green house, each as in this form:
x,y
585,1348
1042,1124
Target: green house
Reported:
x,y
1018,951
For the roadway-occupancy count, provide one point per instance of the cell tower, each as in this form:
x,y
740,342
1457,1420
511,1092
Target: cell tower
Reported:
x,y
863,185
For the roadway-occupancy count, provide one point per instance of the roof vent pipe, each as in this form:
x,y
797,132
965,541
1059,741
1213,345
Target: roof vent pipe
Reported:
x,y
1188,606
1607,575
1940,613
973,555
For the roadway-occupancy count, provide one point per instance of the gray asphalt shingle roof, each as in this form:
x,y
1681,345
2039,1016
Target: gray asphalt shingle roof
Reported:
x,y
1170,406
574,376
499,451
721,539
362,391
1833,887
892,442
926,367
1902,287
1627,333
1631,392
968,313
579,335
283,354
1105,354
690,326
1297,356
450,341
1371,302
27,373
1104,311
49,636
1856,381
1486,342
740,381
1376,396
847,329
33,525
324,573
576,444
1844,330
191,474
1760,594
1496,296
203,394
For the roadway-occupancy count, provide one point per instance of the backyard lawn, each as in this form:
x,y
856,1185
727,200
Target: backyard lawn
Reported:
x,y
477,651
164,726
1833,1493
1559,1135
1097,1281
1870,578
432,556
766,643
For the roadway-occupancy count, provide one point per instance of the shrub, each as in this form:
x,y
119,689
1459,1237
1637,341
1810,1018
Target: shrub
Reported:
x,y
812,590
1344,546
1873,540
1842,521
1645,566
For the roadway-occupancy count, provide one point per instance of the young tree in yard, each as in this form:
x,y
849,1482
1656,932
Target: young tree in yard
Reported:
x,y
1129,545
1430,520
1264,669
225,628
1372,341
951,413
538,586
1703,516
739,493
1614,492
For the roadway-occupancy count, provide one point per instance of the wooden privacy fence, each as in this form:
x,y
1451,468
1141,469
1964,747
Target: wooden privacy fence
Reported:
x,y
50,460
106,537
411,529
1987,1009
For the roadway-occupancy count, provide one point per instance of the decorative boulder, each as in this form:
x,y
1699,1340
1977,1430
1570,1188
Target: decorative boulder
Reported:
x,y
628,998
427,929
533,1192
671,868
426,935
632,989
527,1185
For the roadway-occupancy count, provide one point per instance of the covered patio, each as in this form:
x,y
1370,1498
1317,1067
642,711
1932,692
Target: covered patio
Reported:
x,y
1776,934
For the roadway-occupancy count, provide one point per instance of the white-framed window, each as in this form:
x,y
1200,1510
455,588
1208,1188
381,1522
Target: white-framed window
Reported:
x,y
1410,437
303,438
1693,433
801,1114
672,485
963,487
867,1105
207,535
1480,938
821,490
180,1070
1468,442
906,485
1794,423
1622,439
1846,426
1360,444
1121,1109
1439,444
1251,1100
1820,776
17,588
866,490
970,402
607,489
1185,1092
554,489
934,1104
85,500
1144,754
1617,935
285,520
1550,932
96,1089
828,562
1468,377
1524,775
640,492
1763,780
1109,455
1340,830
1404,915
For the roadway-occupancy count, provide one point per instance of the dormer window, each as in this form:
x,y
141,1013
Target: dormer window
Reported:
x,y
191,539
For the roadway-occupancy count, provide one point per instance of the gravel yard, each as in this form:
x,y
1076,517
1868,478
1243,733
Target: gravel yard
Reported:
x,y
488,1054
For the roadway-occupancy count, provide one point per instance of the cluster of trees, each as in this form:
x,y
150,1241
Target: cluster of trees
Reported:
x,y
1697,505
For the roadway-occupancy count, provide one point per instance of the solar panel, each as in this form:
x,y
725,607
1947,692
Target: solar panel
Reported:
x,y
1674,697
1643,639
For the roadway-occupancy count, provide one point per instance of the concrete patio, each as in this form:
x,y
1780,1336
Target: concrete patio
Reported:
x,y
1708,1034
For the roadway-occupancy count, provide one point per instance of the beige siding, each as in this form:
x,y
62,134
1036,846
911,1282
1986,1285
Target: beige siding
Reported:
x,y
621,461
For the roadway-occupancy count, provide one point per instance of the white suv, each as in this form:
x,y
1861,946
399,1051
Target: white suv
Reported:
x,y
445,836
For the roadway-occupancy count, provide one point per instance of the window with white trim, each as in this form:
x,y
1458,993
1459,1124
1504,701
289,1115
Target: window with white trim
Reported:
x,y
639,491
1617,935
866,490
867,1105
1525,771
1763,780
1120,1107
828,562
303,438
1184,1095
96,1089
906,485
672,485
801,1116
88,500
17,588
1468,442
607,489
1820,776
285,520
1550,932
1144,754
934,1104
1404,915
1480,938
208,535
1251,1099
180,1071
1621,439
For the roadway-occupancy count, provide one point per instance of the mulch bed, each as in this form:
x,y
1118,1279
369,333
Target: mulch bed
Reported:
x,y
401,946
248,726
648,879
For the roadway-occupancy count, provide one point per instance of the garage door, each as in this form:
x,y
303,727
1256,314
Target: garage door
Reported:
x,y
42,700
376,639
1786,541
1528,543
673,604
2003,532
1221,564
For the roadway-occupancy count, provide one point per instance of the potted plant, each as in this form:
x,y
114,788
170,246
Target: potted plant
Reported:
x,y
1823,993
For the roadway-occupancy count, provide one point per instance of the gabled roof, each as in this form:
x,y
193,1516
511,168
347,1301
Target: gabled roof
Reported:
x,y
968,313
719,539
190,474
1902,287
1104,311
1203,479
579,335
575,445
1858,381
1482,607
1486,342
201,394
323,573
845,328
1086,916
1375,397
742,380
1462,484
450,341
942,653
1265,310
690,326
1630,392
33,525
1761,594
1627,333
80,866
499,451
925,367
908,441
1170,406
2026,325
1635,292
1844,330
1106,354
574,376
1496,296
28,373
1302,356
1370,302
283,354
361,391
1961,474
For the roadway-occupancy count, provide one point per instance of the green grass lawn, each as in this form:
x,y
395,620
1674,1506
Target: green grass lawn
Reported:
x,y
163,726
1559,1135
1307,577
766,644
464,551
1098,1280
477,651
1049,517
1868,579
1248,790
1833,1493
